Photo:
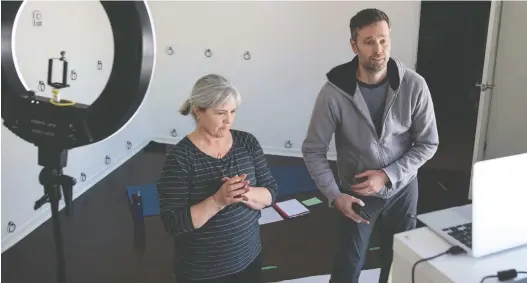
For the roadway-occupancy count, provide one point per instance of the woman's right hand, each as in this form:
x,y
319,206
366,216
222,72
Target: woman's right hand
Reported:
x,y
232,191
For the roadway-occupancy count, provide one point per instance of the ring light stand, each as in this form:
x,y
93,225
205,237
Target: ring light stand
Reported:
x,y
56,126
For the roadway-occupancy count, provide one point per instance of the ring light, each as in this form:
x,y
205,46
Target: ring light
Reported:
x,y
55,125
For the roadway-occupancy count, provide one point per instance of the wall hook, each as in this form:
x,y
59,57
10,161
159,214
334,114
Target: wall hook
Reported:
x,y
173,133
208,53
169,50
288,144
99,65
73,75
128,144
37,18
41,86
107,160
83,177
247,55
11,227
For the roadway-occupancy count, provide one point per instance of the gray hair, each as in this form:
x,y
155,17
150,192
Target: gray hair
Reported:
x,y
209,91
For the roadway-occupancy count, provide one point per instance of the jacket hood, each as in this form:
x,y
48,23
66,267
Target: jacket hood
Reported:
x,y
341,75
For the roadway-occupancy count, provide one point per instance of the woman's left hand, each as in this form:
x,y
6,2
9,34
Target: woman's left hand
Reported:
x,y
257,197
225,179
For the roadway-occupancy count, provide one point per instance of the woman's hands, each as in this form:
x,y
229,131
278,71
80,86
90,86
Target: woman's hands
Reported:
x,y
232,191
254,197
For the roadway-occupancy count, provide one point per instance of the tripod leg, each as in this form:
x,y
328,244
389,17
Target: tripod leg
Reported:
x,y
53,159
54,195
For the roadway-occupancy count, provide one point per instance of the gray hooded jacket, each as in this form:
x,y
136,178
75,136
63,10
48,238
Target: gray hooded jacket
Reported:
x,y
407,140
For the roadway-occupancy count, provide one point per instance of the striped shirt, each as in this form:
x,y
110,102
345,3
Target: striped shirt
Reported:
x,y
230,240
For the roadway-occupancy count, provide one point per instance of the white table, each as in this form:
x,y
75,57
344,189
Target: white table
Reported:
x,y
411,246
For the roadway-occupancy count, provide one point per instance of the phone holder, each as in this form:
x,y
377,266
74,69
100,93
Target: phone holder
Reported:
x,y
56,125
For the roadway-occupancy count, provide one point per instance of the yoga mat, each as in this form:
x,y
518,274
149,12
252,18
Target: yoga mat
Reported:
x,y
150,198
293,179
290,179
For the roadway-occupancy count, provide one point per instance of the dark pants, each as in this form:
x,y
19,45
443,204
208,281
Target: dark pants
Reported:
x,y
251,273
394,215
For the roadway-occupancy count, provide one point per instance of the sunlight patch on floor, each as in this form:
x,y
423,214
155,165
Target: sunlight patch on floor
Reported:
x,y
366,276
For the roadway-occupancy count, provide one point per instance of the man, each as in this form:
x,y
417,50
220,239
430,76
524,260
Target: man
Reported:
x,y
383,119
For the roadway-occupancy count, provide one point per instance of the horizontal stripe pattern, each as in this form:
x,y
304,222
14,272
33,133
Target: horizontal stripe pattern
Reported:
x,y
230,240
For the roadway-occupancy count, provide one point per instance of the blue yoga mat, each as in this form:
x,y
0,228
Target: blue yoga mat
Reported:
x,y
293,179
290,179
150,198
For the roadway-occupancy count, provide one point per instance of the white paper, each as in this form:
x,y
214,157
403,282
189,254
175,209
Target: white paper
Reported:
x,y
269,215
366,276
292,207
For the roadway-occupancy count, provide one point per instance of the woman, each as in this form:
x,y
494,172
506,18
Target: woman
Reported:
x,y
214,183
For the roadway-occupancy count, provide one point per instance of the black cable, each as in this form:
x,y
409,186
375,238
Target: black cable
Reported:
x,y
454,250
504,275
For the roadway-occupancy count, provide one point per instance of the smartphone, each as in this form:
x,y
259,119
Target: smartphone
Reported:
x,y
360,211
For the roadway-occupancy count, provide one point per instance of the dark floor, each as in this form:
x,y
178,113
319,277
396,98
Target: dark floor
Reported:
x,y
99,237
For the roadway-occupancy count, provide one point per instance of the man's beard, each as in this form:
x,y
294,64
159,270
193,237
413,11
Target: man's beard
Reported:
x,y
374,67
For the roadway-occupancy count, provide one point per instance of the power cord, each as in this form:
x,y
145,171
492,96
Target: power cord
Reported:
x,y
454,250
504,275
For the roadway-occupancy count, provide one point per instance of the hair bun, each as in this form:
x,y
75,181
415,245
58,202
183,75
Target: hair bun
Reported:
x,y
185,108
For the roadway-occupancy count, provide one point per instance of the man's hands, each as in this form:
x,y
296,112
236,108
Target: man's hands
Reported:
x,y
344,203
375,180
232,191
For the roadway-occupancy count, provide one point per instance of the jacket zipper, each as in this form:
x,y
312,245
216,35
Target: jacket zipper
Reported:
x,y
389,108
383,122
372,127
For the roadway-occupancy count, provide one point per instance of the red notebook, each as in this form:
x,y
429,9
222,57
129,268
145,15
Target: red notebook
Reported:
x,y
291,208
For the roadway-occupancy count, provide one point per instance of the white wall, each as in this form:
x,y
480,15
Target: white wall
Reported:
x,y
507,132
69,26
292,46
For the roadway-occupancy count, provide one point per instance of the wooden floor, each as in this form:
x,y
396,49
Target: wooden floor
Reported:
x,y
99,237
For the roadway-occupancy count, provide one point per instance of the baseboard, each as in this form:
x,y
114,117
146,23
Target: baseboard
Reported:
x,y
44,213
166,140
291,152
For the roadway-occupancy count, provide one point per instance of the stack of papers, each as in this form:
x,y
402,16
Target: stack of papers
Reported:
x,y
291,208
269,215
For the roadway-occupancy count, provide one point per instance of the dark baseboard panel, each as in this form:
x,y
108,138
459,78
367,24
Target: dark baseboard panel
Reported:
x,y
155,147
